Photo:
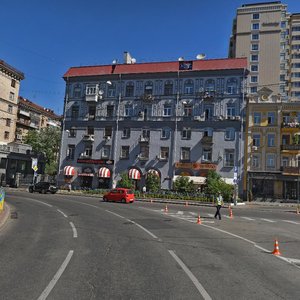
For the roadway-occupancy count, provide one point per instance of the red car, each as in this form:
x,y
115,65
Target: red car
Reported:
x,y
119,194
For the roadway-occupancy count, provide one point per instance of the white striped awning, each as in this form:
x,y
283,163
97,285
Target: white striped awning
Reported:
x,y
134,174
153,172
104,172
69,171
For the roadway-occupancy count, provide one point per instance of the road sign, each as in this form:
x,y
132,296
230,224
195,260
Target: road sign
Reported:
x,y
34,164
35,168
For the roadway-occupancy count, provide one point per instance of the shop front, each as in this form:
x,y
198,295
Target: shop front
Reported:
x,y
135,175
86,178
104,176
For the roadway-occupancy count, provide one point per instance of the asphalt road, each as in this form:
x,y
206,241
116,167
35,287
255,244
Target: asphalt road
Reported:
x,y
71,247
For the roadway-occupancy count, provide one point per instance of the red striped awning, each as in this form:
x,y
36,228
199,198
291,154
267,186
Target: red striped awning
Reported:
x,y
153,172
69,171
104,172
134,174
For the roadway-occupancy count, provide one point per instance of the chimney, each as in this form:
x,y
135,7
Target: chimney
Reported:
x,y
127,58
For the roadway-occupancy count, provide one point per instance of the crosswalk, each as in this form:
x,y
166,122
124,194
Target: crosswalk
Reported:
x,y
209,218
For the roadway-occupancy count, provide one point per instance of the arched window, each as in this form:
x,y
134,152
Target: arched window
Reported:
x,y
129,89
189,87
210,85
111,90
168,88
148,88
231,87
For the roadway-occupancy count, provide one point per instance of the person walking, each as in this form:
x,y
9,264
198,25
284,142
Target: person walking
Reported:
x,y
219,203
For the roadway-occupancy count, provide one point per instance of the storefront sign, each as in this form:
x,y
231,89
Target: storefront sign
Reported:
x,y
195,166
95,161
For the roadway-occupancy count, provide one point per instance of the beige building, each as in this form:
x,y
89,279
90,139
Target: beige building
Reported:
x,y
10,79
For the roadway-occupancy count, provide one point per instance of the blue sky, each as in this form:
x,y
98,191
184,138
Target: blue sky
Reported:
x,y
44,38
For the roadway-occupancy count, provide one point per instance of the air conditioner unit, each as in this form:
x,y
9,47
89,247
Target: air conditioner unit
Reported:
x,y
237,118
254,148
197,118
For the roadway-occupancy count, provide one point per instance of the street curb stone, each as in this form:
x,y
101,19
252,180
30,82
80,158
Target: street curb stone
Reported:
x,y
4,215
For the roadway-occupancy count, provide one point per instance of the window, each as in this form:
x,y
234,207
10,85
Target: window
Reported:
x,y
254,68
167,110
75,112
13,83
92,112
8,122
285,161
11,96
296,65
110,111
10,109
77,91
285,139
111,91
108,131
231,110
6,135
186,133
165,133
256,139
88,151
90,130
254,57
164,153
207,154
91,89
270,163
255,26
229,134
105,151
271,140
125,152
255,161
271,118
126,132
185,153
253,89
208,112
188,87
129,92
255,16
296,38
70,152
210,85
128,112
254,79
3,163
254,47
168,88
144,152
208,132
295,28
187,110
148,88
229,158
146,133
232,86
72,132
255,36
282,77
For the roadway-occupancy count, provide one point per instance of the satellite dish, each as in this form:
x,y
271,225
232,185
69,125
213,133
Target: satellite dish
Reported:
x,y
100,92
115,61
201,56
108,82
181,58
133,60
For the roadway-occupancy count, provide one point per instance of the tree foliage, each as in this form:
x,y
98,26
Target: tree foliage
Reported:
x,y
183,184
152,182
125,182
46,141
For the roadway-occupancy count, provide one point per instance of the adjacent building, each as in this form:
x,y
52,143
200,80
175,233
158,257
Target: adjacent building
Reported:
x,y
167,118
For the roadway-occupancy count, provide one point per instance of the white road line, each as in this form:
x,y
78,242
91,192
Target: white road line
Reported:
x,y
111,212
56,277
292,222
62,213
74,230
180,212
249,219
268,220
211,215
88,204
193,213
195,281
38,202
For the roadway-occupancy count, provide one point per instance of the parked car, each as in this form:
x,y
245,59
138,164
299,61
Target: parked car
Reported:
x,y
119,194
43,187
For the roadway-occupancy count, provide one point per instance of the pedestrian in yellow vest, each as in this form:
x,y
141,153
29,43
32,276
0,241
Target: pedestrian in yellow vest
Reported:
x,y
219,203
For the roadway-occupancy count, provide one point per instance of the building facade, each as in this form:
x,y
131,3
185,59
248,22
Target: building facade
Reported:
x,y
10,79
167,118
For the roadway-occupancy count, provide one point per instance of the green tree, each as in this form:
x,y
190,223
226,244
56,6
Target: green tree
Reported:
x,y
183,184
153,183
47,141
125,182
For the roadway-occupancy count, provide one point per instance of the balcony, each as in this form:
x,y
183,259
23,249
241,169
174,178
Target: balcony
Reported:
x,y
91,98
291,170
147,97
290,125
291,147
24,113
144,139
88,138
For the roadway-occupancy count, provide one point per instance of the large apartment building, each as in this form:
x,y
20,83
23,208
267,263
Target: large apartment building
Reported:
x,y
10,79
167,118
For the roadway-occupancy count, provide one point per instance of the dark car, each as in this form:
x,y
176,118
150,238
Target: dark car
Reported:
x,y
43,187
119,195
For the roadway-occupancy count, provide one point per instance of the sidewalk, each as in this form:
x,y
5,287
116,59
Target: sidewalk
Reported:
x,y
4,215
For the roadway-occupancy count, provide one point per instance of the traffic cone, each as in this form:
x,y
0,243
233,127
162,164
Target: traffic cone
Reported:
x,y
166,209
199,220
151,201
230,213
276,248
186,203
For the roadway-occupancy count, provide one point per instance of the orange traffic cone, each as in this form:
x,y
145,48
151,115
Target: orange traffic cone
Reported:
x,y
230,213
276,248
151,201
166,209
199,220
186,203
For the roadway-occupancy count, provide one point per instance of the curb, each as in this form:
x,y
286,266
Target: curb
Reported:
x,y
4,215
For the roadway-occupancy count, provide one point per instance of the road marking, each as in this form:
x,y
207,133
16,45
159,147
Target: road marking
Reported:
x,y
87,204
211,215
41,202
192,213
292,222
62,213
74,230
195,281
180,212
249,219
111,212
56,277
267,220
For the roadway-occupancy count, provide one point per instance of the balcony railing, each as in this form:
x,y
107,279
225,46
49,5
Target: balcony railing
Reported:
x,y
291,170
290,147
290,125
88,138
144,139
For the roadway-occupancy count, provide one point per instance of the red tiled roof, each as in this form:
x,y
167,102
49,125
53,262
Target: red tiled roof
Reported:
x,y
157,67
